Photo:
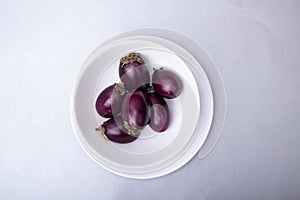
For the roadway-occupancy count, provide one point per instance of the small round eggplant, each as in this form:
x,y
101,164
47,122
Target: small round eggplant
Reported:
x,y
159,112
166,83
133,72
114,131
109,101
135,111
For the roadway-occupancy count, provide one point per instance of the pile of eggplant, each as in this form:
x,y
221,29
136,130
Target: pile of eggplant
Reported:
x,y
137,101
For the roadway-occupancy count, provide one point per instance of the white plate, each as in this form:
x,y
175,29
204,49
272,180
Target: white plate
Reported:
x,y
163,153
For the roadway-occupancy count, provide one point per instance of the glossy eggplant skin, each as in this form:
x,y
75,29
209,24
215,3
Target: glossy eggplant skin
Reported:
x,y
159,112
166,83
135,109
133,72
109,101
114,130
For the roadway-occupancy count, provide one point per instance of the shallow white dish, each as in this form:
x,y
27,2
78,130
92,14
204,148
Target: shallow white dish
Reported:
x,y
161,154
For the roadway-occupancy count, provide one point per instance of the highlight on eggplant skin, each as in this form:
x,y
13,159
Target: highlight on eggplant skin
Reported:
x,y
135,109
109,101
166,83
133,72
113,130
159,112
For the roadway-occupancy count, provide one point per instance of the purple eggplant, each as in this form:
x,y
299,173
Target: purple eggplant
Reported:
x,y
109,100
114,130
159,112
135,111
133,72
166,83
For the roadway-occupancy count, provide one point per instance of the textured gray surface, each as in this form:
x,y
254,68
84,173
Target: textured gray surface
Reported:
x,y
255,44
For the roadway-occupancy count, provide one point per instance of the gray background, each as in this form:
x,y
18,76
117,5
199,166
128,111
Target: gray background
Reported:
x,y
256,46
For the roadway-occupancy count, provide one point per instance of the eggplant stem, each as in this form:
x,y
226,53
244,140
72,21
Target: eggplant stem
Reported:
x,y
120,87
102,130
151,89
130,58
131,130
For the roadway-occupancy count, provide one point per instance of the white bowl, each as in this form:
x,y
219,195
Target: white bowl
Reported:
x,y
191,112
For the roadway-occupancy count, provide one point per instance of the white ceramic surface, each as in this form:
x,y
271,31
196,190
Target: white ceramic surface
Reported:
x,y
122,160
